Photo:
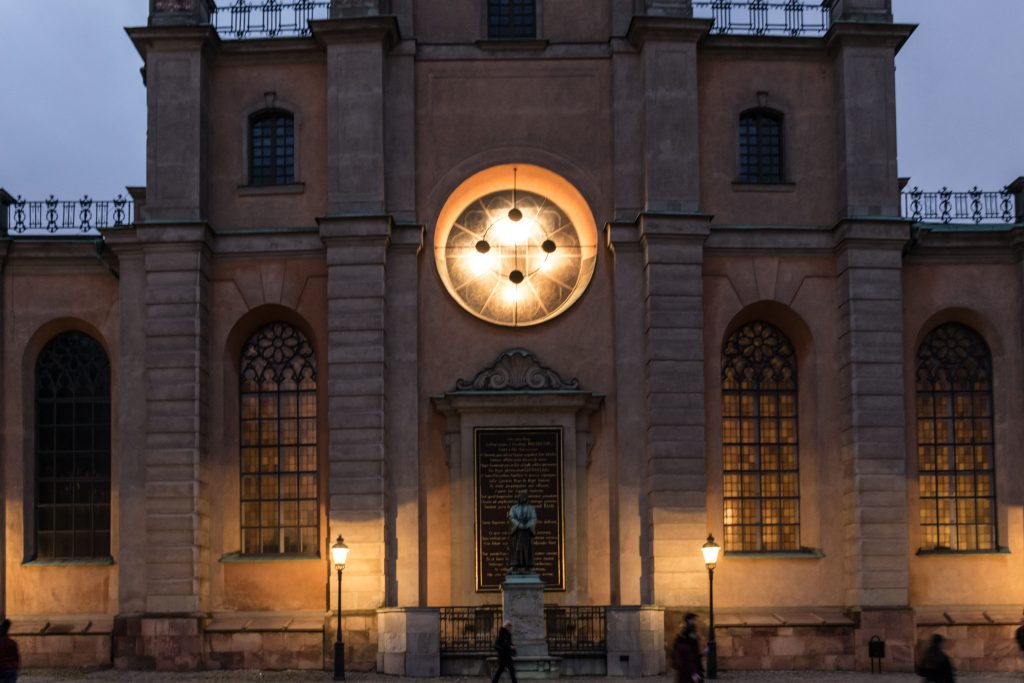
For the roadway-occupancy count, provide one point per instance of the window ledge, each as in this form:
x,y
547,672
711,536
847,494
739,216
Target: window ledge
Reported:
x,y
949,552
288,557
71,562
525,44
802,554
256,190
737,186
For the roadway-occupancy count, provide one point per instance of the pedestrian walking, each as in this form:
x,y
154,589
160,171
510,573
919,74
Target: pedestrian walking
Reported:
x,y
9,659
686,652
935,666
1018,635
503,644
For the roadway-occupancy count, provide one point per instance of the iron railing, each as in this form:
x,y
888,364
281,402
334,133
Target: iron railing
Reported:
x,y
575,630
267,18
63,218
764,17
947,206
467,630
570,630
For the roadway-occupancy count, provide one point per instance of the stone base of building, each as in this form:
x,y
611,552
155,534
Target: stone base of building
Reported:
x,y
979,639
84,642
360,636
158,642
531,667
264,641
409,642
635,638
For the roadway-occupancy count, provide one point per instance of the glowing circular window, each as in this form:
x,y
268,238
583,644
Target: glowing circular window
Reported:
x,y
514,255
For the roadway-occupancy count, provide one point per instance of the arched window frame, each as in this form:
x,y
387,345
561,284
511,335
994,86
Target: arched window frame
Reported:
x,y
955,441
278,443
71,511
760,441
761,147
282,146
512,19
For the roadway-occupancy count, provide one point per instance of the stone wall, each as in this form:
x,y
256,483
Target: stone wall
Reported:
x,y
976,640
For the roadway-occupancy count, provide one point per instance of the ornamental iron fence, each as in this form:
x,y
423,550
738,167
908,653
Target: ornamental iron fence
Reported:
x,y
571,631
947,206
248,19
764,18
62,218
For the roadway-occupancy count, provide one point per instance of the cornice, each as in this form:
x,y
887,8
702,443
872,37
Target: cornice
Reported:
x,y
669,29
855,33
357,30
172,38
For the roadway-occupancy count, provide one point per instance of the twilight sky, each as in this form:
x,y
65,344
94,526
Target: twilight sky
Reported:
x,y
73,120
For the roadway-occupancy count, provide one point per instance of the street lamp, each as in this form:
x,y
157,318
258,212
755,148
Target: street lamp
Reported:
x,y
339,553
710,550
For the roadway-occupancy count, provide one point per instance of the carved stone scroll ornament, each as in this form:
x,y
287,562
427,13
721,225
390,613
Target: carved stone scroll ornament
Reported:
x,y
517,370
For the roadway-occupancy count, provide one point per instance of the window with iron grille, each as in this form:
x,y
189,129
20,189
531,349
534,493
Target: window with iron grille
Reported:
x,y
278,435
955,443
760,146
511,19
72,429
271,148
761,488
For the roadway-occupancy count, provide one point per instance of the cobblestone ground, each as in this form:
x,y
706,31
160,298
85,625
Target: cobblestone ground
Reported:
x,y
107,675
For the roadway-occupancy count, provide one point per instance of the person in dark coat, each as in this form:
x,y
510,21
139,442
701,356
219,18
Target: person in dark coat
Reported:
x,y
503,644
1018,635
686,652
9,659
935,666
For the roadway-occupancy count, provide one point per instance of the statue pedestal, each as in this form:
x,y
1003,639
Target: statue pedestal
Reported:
x,y
522,602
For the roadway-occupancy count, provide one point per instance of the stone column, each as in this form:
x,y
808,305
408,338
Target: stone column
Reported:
x,y
1016,190
627,480
357,374
675,486
665,8
865,106
8,499
872,438
402,411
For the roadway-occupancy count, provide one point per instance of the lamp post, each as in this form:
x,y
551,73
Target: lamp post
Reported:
x,y
710,550
339,553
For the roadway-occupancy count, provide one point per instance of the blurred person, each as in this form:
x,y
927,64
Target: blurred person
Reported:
x,y
686,652
9,659
503,644
935,666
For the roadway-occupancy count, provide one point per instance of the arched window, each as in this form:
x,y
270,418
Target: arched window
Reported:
x,y
72,463
271,148
277,396
760,146
761,488
955,444
511,19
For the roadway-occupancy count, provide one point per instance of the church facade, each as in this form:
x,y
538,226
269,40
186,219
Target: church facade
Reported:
x,y
396,264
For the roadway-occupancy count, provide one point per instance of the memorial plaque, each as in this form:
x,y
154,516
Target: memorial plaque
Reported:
x,y
507,462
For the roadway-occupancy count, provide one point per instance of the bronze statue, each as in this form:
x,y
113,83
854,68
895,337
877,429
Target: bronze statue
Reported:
x,y
523,518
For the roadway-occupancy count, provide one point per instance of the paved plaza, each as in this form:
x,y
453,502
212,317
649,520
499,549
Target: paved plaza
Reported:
x,y
46,676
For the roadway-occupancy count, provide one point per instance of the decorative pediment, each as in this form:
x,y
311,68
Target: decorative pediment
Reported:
x,y
517,370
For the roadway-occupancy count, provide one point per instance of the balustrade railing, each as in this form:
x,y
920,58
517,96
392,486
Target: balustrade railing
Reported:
x,y
764,17
267,18
576,631
56,217
469,629
947,206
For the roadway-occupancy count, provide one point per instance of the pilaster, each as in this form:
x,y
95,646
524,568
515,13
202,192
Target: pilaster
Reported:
x,y
5,458
357,252
670,147
872,435
865,106
876,11
356,53
624,488
176,265
402,411
674,489
174,48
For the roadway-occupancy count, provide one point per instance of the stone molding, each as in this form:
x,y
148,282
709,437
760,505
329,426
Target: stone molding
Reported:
x,y
517,370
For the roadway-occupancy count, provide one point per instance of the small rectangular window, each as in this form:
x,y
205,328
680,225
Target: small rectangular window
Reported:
x,y
511,19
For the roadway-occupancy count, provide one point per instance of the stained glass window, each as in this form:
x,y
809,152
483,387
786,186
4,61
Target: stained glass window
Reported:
x,y
760,463
271,148
955,441
72,429
278,438
760,146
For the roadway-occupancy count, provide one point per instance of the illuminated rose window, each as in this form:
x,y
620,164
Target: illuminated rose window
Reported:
x,y
514,257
